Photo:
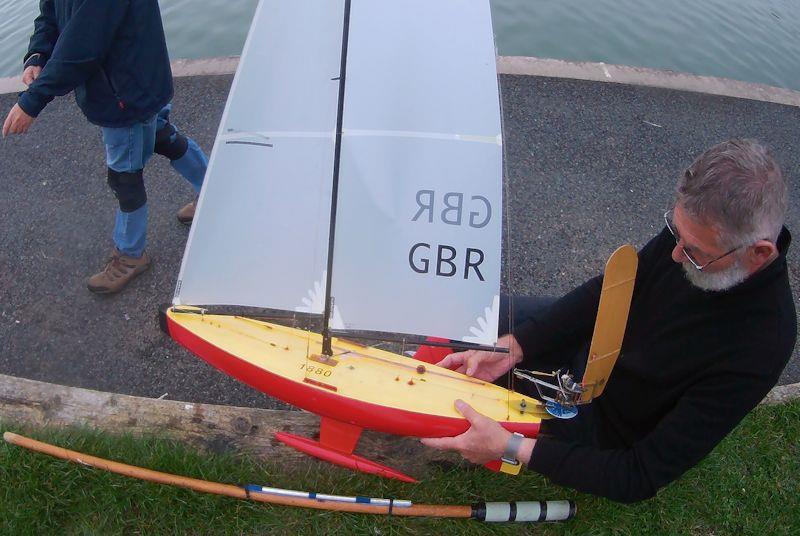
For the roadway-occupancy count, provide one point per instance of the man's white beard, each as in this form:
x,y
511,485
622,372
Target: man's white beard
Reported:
x,y
715,281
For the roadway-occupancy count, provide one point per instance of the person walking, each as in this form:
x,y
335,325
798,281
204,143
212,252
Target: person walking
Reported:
x,y
113,55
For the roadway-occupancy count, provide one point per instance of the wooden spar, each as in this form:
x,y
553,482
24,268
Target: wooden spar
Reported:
x,y
523,511
426,510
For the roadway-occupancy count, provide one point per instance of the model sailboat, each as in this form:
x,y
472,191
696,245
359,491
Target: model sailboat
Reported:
x,y
356,178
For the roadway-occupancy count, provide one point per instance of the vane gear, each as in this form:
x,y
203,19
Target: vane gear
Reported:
x,y
562,394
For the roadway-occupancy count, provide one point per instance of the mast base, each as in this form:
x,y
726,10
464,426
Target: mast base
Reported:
x,y
350,461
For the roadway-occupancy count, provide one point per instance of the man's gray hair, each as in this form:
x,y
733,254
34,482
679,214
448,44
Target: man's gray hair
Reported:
x,y
737,187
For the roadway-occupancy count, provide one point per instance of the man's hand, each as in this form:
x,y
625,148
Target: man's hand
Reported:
x,y
484,364
17,122
483,442
30,74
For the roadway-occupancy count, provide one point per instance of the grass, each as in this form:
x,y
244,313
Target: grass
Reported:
x,y
748,485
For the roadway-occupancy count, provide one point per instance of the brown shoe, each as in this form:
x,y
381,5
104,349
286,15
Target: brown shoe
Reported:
x,y
186,213
119,271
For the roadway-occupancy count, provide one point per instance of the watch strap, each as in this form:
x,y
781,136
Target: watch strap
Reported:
x,y
512,448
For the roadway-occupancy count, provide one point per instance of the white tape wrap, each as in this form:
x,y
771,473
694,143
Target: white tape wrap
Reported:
x,y
558,511
498,512
528,511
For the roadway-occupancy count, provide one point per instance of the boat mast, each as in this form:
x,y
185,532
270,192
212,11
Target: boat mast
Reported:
x,y
326,333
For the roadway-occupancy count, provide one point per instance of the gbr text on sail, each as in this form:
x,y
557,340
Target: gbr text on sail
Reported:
x,y
449,208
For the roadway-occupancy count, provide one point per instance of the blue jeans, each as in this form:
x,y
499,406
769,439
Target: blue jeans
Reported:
x,y
128,149
193,164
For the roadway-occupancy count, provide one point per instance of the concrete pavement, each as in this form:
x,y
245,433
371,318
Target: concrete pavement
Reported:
x,y
591,165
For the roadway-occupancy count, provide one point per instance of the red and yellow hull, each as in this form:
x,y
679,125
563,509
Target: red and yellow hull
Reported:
x,y
365,387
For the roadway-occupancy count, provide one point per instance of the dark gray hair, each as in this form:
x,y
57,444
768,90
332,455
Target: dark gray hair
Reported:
x,y
737,187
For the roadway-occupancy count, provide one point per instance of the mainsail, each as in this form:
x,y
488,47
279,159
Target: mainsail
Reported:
x,y
260,234
418,229
417,237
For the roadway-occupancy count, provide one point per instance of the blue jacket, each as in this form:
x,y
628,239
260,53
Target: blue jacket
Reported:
x,y
112,53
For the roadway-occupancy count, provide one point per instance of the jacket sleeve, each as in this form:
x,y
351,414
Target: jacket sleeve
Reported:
x,y
45,35
78,52
550,339
701,419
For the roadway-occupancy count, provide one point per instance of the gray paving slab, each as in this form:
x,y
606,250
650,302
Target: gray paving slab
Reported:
x,y
590,166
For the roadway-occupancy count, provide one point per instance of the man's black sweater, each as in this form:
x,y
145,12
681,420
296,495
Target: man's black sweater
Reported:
x,y
693,364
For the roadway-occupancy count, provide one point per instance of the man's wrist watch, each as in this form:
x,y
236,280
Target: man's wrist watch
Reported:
x,y
510,463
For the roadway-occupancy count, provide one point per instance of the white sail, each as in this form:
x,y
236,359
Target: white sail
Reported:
x,y
418,229
261,232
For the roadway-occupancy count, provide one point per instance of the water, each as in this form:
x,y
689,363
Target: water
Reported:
x,y
751,40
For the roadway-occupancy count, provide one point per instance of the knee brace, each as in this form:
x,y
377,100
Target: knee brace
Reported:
x,y
128,188
170,142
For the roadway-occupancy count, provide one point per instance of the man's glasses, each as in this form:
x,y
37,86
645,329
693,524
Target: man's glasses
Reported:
x,y
687,254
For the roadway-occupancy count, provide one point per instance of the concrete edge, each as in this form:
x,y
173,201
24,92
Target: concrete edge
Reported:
x,y
42,403
530,66
642,76
209,427
781,394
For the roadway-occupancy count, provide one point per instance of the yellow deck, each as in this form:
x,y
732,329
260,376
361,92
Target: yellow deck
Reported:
x,y
362,373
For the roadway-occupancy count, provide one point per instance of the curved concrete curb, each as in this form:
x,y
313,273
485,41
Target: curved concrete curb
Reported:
x,y
529,66
206,66
180,67
641,76
214,427
206,426
782,394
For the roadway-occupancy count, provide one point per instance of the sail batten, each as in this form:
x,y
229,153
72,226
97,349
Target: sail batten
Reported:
x,y
496,140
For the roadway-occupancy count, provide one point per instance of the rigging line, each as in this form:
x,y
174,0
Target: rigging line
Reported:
x,y
308,351
506,180
415,367
326,335
452,344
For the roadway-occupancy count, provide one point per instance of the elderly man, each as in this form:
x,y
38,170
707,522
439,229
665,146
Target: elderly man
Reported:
x,y
712,325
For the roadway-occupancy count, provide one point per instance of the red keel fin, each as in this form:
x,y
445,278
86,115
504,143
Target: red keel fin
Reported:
x,y
345,459
338,435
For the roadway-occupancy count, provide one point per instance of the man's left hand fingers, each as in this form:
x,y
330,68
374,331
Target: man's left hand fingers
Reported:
x,y
7,125
440,443
17,121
